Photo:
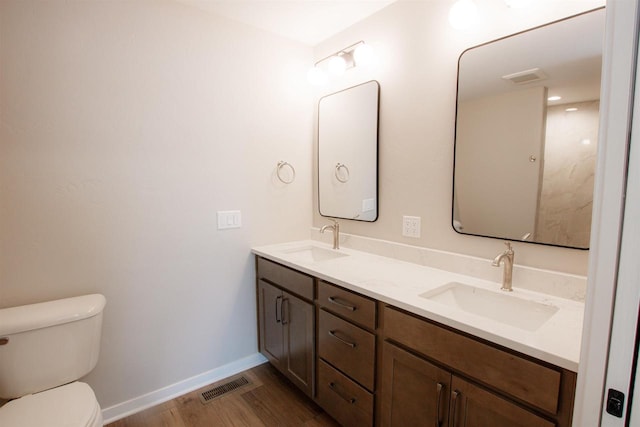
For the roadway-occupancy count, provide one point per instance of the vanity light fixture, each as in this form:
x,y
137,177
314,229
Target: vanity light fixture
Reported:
x,y
338,62
363,55
337,65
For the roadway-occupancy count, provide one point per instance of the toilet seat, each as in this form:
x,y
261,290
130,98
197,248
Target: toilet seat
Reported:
x,y
69,405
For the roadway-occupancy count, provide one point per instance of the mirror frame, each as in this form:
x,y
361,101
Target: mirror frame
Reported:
x,y
453,192
377,153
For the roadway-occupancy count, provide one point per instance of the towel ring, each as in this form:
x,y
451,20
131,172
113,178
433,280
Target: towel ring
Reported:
x,y
337,172
282,164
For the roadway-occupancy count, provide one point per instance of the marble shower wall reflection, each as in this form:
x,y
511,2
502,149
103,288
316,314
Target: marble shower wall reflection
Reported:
x,y
566,196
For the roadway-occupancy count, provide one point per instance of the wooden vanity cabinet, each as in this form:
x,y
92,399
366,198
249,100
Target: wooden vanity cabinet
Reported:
x,y
416,393
485,385
286,322
379,365
346,355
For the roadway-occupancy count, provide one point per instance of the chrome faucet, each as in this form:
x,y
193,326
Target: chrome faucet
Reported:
x,y
336,233
507,258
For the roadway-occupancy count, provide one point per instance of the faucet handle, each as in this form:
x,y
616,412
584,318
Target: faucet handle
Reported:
x,y
508,245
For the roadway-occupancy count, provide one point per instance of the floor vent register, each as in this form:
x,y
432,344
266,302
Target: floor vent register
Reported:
x,y
220,390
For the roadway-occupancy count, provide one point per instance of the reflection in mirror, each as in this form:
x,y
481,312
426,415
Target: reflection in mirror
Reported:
x,y
348,153
526,134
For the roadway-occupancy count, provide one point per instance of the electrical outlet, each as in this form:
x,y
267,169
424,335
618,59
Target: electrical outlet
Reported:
x,y
411,226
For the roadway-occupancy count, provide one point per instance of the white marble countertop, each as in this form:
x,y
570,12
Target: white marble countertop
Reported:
x,y
400,284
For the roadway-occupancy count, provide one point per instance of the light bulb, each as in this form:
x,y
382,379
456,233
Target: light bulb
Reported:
x,y
316,76
363,55
337,65
463,14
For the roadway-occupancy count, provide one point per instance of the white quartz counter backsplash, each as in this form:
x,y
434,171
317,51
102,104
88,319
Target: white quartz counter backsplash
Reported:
x,y
400,283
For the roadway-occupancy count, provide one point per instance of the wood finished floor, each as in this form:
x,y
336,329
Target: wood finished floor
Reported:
x,y
270,400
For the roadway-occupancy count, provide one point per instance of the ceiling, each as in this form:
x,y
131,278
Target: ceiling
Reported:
x,y
572,67
306,21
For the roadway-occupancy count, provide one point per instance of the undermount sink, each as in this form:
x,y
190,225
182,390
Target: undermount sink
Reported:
x,y
315,254
502,307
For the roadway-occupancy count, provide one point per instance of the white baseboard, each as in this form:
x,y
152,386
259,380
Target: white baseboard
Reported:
x,y
140,403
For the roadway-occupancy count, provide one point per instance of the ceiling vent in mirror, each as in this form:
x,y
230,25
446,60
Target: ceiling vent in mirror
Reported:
x,y
526,76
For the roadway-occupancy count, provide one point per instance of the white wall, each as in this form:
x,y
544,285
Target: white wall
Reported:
x,y
418,52
124,127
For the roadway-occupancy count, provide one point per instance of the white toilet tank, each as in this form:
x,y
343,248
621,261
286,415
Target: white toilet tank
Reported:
x,y
48,344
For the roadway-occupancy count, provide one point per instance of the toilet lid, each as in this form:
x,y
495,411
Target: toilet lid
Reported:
x,y
70,405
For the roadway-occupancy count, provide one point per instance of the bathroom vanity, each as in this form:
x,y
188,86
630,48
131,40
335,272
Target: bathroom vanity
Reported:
x,y
358,333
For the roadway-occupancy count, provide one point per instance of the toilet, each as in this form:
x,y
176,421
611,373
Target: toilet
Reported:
x,y
44,349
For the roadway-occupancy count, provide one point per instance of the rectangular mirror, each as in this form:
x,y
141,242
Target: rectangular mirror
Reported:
x,y
348,153
526,134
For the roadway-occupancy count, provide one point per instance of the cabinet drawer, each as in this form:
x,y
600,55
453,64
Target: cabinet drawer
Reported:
x,y
473,405
291,280
521,378
343,399
347,347
354,307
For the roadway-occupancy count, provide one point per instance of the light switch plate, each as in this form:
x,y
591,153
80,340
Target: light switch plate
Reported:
x,y
229,219
411,226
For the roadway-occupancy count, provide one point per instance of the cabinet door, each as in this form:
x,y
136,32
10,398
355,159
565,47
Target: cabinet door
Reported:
x,y
414,392
298,323
270,317
473,406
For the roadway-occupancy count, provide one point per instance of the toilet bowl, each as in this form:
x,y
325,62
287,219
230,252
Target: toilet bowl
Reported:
x,y
73,404
44,349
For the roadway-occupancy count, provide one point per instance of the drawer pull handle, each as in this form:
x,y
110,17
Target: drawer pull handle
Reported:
x,y
341,303
334,389
342,340
454,403
439,388
4,340
278,310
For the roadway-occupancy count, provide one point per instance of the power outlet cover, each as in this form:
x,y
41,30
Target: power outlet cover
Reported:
x,y
411,226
